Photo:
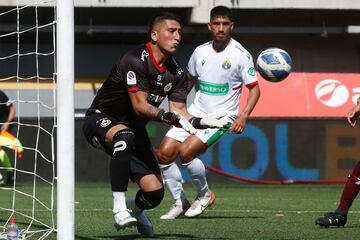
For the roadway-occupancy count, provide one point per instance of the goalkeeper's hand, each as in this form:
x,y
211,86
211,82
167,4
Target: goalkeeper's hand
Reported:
x,y
175,119
213,121
185,124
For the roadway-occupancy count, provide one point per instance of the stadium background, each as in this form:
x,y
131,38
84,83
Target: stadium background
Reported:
x,y
307,139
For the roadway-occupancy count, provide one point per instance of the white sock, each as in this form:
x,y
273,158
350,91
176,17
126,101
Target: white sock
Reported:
x,y
119,202
173,182
197,174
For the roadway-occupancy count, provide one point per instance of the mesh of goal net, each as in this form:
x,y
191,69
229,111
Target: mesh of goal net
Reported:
x,y
27,77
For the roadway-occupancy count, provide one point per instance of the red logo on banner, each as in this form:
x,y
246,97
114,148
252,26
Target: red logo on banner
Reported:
x,y
307,95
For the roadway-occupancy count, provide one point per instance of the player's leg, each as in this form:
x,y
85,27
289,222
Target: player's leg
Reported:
x,y
350,191
167,153
188,152
146,174
192,147
117,140
5,161
148,197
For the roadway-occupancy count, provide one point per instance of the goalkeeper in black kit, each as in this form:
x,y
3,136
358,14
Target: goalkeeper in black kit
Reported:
x,y
127,100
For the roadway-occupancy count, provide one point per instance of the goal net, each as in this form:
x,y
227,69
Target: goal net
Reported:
x,y
30,77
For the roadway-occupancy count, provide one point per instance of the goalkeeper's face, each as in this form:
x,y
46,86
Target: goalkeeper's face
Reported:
x,y
220,27
167,35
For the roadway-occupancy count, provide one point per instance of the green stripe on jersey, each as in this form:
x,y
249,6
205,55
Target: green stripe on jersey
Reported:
x,y
213,88
218,134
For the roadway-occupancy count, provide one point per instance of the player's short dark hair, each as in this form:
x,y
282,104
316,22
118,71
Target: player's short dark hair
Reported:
x,y
221,11
162,16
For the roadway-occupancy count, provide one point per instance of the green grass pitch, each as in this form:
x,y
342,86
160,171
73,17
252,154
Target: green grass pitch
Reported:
x,y
243,211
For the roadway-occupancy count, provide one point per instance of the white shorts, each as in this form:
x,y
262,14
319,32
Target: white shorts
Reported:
x,y
208,136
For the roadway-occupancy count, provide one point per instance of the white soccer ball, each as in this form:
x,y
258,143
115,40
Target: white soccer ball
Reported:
x,y
274,64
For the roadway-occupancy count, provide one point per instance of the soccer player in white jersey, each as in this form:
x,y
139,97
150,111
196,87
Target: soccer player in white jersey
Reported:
x,y
222,67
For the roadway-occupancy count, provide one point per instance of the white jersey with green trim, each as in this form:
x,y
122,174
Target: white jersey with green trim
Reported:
x,y
221,76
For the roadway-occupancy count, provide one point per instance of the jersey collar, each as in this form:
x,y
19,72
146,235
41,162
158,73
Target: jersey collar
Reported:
x,y
157,66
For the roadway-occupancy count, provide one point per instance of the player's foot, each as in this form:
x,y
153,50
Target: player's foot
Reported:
x,y
123,219
10,179
176,211
331,219
200,204
144,224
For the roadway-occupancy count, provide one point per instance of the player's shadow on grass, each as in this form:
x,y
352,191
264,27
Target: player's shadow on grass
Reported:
x,y
156,236
227,217
77,237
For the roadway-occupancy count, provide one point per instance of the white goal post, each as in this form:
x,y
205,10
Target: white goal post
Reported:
x,y
65,120
37,73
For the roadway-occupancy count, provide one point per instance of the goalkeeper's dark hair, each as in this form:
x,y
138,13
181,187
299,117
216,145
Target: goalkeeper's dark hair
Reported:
x,y
221,11
162,16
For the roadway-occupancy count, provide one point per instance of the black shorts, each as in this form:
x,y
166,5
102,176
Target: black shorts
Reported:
x,y
143,158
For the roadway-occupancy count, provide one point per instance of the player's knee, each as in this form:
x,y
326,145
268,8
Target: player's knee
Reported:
x,y
123,141
149,200
165,156
186,156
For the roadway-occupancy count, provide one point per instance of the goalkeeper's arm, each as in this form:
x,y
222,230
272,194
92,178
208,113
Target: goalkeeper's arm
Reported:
x,y
146,110
212,121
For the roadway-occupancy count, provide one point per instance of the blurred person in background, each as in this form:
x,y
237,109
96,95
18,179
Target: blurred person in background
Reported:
x,y
351,189
7,115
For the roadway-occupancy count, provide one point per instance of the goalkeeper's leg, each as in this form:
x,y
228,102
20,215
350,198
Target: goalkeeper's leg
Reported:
x,y
146,173
123,142
107,133
148,197
5,161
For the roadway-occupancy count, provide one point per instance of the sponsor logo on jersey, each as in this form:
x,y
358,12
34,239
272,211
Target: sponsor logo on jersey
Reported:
x,y
226,65
179,70
213,88
202,62
155,98
206,132
167,87
144,55
131,78
251,71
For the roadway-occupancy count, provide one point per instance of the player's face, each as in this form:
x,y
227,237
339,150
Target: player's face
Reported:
x,y
168,35
221,27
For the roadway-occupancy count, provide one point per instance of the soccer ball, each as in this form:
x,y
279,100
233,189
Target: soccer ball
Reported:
x,y
274,64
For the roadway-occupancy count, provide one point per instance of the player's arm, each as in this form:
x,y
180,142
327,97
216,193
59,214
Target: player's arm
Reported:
x,y
212,121
144,109
252,99
180,108
11,116
354,114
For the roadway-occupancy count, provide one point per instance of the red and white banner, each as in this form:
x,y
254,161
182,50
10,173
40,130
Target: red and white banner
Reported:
x,y
307,95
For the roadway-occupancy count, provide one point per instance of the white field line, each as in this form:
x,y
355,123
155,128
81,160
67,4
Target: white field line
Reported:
x,y
212,210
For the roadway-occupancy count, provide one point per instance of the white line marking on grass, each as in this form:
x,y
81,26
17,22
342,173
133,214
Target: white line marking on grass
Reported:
x,y
212,210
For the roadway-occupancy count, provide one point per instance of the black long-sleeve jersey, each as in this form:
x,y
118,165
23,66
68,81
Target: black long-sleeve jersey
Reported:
x,y
138,70
4,107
